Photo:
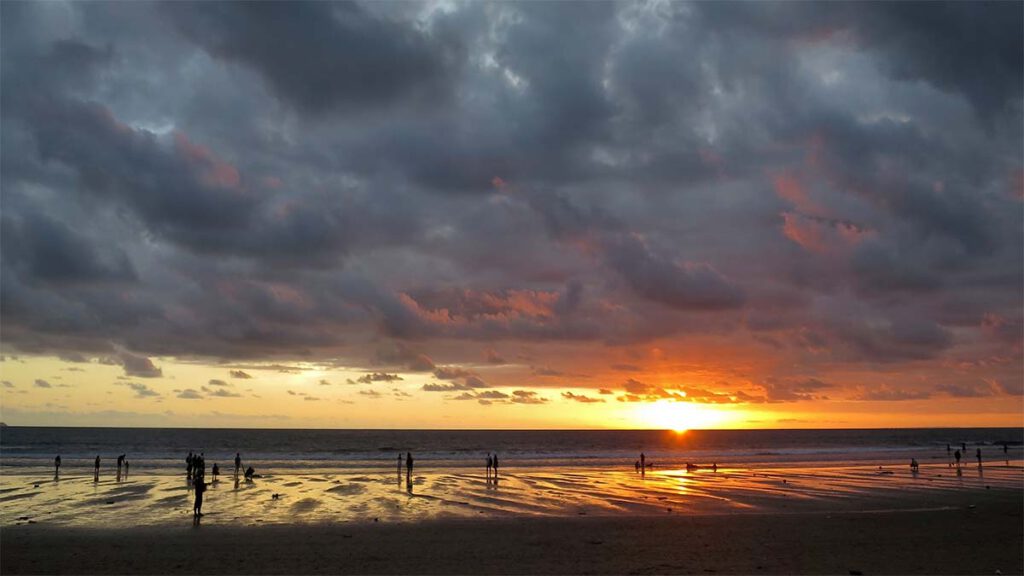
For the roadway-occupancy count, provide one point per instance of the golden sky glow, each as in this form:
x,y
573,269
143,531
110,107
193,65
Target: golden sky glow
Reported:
x,y
48,391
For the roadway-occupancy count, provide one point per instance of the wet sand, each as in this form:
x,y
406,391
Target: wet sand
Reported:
x,y
954,540
795,520
347,496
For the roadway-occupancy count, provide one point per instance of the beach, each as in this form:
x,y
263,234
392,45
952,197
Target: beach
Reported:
x,y
796,519
976,532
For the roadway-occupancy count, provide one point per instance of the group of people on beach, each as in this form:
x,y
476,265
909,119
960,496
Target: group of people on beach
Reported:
x,y
962,453
122,463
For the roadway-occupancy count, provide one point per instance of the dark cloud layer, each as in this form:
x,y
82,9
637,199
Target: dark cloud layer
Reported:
x,y
402,188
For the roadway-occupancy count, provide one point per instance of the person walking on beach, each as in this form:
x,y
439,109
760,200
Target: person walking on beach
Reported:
x,y
490,463
56,466
643,463
216,470
96,476
399,467
197,508
494,464
238,463
1006,453
188,464
977,454
957,456
408,467
963,447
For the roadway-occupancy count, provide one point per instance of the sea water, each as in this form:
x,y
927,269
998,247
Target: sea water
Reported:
x,y
163,450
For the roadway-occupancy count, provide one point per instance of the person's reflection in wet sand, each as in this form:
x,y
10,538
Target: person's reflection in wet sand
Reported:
x,y
408,484
236,481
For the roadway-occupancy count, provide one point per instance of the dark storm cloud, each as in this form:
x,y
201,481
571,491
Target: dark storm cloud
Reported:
x,y
323,56
395,188
139,366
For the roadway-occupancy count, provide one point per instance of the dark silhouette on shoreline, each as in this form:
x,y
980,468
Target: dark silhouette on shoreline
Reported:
x,y
56,467
96,475
197,508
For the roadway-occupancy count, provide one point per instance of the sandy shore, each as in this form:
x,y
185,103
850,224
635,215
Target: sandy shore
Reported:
x,y
978,533
812,520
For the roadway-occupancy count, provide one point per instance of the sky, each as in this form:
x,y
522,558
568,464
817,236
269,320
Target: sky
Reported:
x,y
512,215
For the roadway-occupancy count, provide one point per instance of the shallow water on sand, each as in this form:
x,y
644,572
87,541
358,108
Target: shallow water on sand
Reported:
x,y
372,495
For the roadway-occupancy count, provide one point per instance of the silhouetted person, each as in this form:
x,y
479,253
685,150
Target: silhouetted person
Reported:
x,y
1006,452
913,465
97,475
490,464
238,463
56,466
949,455
126,468
978,456
249,473
643,463
714,466
216,470
399,465
188,464
408,467
957,456
197,509
494,464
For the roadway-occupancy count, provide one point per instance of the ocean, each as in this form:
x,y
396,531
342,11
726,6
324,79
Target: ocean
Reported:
x,y
163,450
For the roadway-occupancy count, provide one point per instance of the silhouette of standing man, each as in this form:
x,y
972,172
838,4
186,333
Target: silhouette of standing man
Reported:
x,y
197,509
238,463
96,476
643,464
56,466
408,471
494,464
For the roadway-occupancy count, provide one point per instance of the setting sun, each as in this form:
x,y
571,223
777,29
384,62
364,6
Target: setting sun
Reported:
x,y
680,416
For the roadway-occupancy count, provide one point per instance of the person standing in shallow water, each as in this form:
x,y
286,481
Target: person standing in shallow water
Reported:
x,y
643,463
956,455
978,455
200,485
408,467
56,466
494,464
238,463
489,465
